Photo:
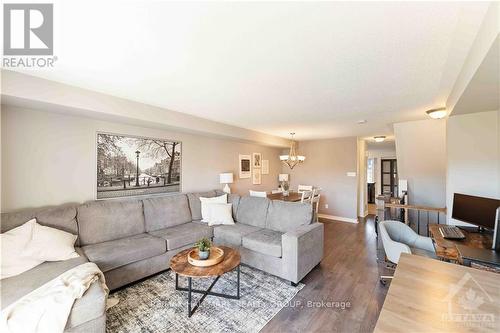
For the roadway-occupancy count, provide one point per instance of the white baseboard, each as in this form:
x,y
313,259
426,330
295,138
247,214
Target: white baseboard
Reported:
x,y
338,218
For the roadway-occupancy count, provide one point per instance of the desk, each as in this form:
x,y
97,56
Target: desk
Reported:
x,y
419,298
446,249
292,196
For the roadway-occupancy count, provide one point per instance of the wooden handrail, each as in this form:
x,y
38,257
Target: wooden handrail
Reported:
x,y
416,207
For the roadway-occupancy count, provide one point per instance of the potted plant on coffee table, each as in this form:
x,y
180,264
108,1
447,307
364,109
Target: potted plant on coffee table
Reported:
x,y
203,246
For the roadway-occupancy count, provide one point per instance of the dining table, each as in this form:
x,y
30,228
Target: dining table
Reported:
x,y
291,197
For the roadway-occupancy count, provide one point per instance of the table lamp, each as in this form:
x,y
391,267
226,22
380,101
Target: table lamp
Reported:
x,y
226,178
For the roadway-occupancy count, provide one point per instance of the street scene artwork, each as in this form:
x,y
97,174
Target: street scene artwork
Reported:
x,y
130,166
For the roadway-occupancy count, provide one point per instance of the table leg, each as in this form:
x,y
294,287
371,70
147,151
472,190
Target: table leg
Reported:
x,y
238,290
208,292
189,298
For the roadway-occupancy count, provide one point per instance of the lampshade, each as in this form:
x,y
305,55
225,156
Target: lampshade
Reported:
x,y
226,178
283,177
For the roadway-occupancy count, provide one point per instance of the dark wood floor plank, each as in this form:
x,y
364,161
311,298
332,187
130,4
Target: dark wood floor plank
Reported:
x,y
350,273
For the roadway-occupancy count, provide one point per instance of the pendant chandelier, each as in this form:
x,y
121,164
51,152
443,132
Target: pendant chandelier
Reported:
x,y
292,159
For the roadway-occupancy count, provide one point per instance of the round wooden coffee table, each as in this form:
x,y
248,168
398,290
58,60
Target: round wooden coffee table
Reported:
x,y
180,265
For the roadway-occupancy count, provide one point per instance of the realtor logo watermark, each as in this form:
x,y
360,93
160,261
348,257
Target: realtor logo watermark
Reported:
x,y
468,303
28,35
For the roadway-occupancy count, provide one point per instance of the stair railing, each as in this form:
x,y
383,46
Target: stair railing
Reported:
x,y
405,210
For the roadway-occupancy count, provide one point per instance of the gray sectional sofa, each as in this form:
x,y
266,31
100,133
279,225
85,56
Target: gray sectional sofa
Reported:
x,y
133,239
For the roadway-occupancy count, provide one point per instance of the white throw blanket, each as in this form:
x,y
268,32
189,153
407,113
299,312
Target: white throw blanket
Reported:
x,y
46,309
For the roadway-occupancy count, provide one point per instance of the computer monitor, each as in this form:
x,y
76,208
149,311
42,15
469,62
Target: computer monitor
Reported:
x,y
483,212
475,210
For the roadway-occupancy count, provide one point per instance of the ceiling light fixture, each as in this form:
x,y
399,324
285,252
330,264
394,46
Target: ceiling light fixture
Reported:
x,y
362,121
436,113
292,159
379,138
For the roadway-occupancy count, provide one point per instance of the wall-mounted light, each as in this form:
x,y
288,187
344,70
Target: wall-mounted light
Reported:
x,y
379,138
436,113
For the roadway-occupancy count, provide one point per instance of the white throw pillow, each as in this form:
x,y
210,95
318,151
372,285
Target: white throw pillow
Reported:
x,y
220,213
205,217
13,244
50,244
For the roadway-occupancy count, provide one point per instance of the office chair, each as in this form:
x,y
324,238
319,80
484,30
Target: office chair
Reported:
x,y
399,238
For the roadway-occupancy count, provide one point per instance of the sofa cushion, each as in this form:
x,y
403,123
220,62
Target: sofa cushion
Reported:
x,y
62,217
89,307
183,234
50,244
232,198
264,241
286,216
119,252
232,234
20,285
252,211
13,243
205,202
235,200
220,213
102,221
164,212
195,203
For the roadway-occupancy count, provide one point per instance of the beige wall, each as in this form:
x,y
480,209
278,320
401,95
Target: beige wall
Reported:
x,y
421,155
473,156
49,158
30,91
326,166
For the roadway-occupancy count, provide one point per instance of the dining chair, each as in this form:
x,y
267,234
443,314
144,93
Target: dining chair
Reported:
x,y
303,188
276,191
260,194
307,197
315,201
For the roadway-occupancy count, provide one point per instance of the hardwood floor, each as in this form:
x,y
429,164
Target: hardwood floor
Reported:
x,y
348,273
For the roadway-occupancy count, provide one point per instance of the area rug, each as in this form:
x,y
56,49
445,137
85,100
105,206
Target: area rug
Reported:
x,y
154,305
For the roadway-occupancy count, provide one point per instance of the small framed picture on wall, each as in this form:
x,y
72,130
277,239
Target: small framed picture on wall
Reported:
x,y
257,160
265,167
245,163
257,177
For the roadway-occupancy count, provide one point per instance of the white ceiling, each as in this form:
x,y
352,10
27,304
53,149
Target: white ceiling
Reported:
x,y
483,91
312,68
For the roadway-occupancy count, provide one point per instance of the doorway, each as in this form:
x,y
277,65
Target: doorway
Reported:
x,y
370,179
389,177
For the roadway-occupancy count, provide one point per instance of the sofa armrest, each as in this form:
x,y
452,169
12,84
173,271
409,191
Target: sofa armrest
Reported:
x,y
302,249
